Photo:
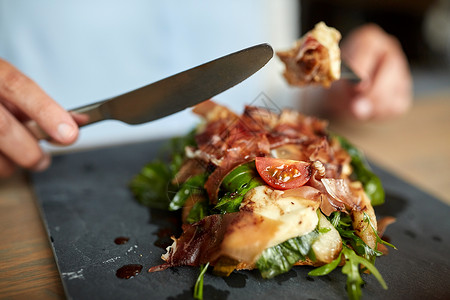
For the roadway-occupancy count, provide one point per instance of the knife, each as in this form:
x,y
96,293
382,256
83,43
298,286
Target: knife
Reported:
x,y
174,93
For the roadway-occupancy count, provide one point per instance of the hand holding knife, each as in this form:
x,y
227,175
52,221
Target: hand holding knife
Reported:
x,y
175,93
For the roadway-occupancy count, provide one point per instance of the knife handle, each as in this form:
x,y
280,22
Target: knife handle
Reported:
x,y
83,115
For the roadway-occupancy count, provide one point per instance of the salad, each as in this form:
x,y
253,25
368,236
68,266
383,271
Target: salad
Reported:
x,y
266,191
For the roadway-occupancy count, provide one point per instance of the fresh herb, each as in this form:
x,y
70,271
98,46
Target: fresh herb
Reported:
x,y
280,258
236,184
361,171
152,184
352,270
192,186
198,212
356,255
343,224
324,230
326,269
378,239
177,148
198,288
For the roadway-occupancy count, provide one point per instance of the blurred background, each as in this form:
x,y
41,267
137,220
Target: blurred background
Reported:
x,y
84,51
422,27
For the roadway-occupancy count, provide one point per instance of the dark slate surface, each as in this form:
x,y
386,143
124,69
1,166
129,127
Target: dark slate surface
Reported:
x,y
86,205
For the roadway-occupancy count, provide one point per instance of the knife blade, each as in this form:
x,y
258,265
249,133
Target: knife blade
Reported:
x,y
174,93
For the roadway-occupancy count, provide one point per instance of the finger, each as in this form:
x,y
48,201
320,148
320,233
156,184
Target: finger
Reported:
x,y
43,163
7,167
366,100
386,89
80,119
27,96
390,96
362,108
359,50
17,143
363,49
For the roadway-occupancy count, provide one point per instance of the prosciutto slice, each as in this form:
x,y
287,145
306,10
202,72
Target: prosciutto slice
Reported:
x,y
227,140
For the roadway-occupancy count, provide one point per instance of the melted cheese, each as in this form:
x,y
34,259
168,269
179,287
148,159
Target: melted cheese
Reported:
x,y
296,216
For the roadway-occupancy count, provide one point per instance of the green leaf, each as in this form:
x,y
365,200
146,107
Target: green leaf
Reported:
x,y
343,224
280,258
231,201
326,269
239,176
378,239
176,148
236,184
358,254
354,280
351,255
352,270
193,185
198,288
198,212
150,186
361,170
324,230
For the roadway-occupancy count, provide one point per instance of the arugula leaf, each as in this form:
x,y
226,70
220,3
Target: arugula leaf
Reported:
x,y
239,176
343,224
361,170
352,270
198,212
378,239
280,258
150,186
198,288
231,201
326,269
177,147
358,254
236,184
193,185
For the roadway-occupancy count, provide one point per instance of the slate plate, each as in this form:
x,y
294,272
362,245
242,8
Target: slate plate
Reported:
x,y
86,205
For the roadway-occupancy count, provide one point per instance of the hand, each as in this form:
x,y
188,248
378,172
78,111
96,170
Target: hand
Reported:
x,y
386,86
21,100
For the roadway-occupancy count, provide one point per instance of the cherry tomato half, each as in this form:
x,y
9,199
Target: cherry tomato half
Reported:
x,y
283,174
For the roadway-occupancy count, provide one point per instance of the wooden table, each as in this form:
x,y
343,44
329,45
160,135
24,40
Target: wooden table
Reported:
x,y
416,147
